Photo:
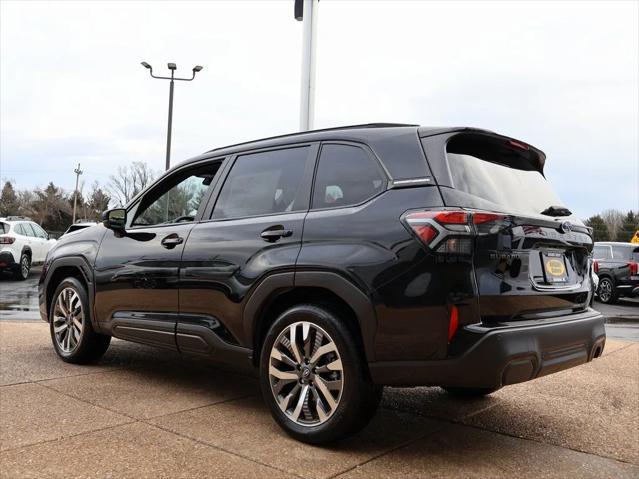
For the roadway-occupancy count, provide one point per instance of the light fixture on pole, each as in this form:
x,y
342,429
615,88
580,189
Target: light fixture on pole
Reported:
x,y
306,11
172,67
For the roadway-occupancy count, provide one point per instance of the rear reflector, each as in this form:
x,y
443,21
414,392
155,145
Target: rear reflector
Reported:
x,y
6,240
425,232
453,322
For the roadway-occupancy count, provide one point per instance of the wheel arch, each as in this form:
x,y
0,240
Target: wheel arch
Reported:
x,y
76,267
280,291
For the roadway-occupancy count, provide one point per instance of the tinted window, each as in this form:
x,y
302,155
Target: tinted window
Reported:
x,y
40,233
26,230
346,175
623,252
601,252
4,228
505,177
177,199
264,183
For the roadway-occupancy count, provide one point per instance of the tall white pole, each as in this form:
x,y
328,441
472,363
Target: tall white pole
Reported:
x,y
307,97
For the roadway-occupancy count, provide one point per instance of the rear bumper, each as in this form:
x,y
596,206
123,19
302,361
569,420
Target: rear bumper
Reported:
x,y
629,289
502,356
6,259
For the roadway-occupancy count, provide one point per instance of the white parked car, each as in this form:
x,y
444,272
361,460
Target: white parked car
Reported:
x,y
22,244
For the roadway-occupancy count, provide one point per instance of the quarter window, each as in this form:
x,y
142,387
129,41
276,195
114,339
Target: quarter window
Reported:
x,y
602,252
346,175
264,183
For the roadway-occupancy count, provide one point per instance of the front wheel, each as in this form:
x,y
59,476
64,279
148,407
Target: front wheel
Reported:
x,y
72,334
314,378
606,291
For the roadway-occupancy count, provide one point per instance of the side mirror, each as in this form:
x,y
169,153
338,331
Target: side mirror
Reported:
x,y
114,219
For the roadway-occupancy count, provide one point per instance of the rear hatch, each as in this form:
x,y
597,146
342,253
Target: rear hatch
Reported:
x,y
530,255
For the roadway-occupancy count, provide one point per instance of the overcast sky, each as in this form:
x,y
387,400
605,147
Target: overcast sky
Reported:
x,y
562,76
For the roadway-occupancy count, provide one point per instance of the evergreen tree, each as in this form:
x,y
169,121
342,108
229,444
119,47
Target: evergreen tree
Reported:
x,y
9,204
599,229
629,226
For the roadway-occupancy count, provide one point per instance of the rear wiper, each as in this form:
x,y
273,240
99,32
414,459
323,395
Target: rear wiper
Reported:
x,y
556,211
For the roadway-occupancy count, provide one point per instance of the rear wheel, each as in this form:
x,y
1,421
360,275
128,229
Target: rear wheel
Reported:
x,y
607,292
22,270
470,392
72,334
314,378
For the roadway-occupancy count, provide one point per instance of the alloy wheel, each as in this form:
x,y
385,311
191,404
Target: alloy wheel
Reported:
x,y
68,320
306,374
605,290
24,266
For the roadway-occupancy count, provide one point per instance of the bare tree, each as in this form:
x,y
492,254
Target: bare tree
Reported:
x,y
613,220
129,181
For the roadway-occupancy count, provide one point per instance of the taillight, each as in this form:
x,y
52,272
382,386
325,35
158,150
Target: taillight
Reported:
x,y
450,231
453,322
595,267
634,267
6,240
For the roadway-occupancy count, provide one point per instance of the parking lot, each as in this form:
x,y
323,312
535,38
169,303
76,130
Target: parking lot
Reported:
x,y
142,412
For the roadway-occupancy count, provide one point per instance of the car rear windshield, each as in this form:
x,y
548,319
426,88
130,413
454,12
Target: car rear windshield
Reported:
x,y
505,175
4,228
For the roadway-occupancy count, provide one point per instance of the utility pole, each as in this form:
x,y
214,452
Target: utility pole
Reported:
x,y
77,172
307,11
172,67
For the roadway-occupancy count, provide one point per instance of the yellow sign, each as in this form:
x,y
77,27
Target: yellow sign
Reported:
x,y
555,267
635,238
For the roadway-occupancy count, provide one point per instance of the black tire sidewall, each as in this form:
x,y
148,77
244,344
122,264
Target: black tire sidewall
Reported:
x,y
355,383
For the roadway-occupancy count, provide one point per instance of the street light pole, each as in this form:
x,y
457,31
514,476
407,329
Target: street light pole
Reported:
x,y
77,172
306,11
172,67
170,127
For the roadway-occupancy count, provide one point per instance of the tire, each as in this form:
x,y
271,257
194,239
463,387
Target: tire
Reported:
x,y
607,292
22,270
329,346
470,392
72,334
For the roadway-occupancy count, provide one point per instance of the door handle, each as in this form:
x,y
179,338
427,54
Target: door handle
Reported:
x,y
172,241
274,233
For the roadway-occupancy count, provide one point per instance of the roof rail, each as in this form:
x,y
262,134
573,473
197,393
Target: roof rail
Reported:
x,y
17,218
347,127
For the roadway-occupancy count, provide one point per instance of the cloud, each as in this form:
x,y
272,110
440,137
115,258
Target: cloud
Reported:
x,y
560,76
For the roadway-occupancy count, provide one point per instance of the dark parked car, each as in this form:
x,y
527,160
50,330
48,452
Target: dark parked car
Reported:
x,y
338,261
616,264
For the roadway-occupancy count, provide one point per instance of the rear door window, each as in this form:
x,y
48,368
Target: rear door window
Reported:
x,y
624,253
346,175
40,233
264,183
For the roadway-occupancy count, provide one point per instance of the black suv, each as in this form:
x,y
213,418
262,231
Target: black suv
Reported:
x,y
338,261
617,266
